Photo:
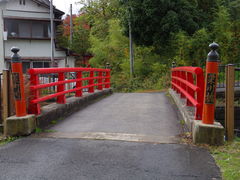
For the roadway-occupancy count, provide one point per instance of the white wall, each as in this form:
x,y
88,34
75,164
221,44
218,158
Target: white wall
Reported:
x,y
2,62
30,9
61,63
32,48
71,61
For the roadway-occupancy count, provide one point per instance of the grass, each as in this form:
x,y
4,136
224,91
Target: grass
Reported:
x,y
39,130
148,91
7,140
227,158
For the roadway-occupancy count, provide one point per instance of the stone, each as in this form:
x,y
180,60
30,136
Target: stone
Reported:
x,y
207,133
20,126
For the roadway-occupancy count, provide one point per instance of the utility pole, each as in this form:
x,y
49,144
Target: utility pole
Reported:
x,y
71,25
52,33
71,35
131,51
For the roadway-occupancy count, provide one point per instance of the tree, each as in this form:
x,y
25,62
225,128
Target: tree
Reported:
x,y
81,31
222,33
154,22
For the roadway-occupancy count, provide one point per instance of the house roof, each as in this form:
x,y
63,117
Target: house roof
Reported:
x,y
45,3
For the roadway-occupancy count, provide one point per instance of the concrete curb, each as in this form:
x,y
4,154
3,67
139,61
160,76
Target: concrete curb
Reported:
x,y
54,111
184,110
202,133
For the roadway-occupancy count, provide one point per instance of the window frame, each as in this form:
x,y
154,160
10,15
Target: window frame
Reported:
x,y
31,22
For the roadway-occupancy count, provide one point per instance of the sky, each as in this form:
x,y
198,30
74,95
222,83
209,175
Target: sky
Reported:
x,y
64,5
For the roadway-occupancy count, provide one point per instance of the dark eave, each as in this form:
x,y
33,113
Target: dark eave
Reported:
x,y
36,58
46,3
29,18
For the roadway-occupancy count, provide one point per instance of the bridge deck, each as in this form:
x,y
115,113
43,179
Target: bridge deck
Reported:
x,y
133,114
71,153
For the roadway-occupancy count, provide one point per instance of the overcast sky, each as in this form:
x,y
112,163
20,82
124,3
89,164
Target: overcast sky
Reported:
x,y
64,5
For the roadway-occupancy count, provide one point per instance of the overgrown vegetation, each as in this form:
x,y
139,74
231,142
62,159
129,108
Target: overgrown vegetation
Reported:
x,y
5,140
163,31
228,159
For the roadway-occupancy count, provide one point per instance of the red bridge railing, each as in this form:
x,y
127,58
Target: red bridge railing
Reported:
x,y
189,83
91,77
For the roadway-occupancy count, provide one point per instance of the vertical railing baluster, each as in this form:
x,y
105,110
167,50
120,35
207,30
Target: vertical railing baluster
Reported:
x,y
100,80
189,90
34,108
91,82
79,84
60,88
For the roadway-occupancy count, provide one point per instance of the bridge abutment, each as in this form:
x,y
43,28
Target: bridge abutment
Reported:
x,y
201,133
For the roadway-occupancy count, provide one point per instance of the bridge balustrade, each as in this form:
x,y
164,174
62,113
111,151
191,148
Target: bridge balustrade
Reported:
x,y
189,83
84,78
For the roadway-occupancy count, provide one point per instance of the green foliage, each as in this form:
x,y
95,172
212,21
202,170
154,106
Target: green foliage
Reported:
x,y
38,130
228,159
154,22
80,42
7,140
163,31
112,49
222,33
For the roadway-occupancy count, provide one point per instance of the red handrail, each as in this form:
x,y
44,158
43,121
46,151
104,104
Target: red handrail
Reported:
x,y
102,78
189,83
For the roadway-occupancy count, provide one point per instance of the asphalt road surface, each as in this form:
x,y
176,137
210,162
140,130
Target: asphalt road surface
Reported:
x,y
124,136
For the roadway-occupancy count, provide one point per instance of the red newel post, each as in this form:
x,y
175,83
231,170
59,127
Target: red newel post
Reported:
x,y
60,88
18,83
79,84
91,82
210,85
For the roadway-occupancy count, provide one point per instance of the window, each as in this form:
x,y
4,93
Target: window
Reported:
x,y
33,64
37,30
41,64
27,29
24,29
22,2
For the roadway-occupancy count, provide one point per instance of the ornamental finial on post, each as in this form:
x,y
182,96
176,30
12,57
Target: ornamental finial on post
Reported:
x,y
107,65
173,64
15,57
213,55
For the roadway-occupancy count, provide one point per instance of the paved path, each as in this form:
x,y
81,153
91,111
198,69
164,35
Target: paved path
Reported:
x,y
124,115
144,128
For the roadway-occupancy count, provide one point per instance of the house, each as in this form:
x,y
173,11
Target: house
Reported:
x,y
26,24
